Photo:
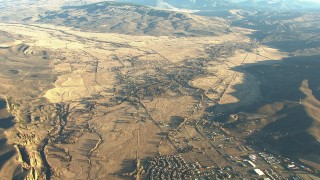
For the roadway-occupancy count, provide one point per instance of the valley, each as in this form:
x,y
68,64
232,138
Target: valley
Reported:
x,y
120,91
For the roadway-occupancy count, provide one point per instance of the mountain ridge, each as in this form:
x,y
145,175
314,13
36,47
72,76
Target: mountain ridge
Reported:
x,y
224,4
126,18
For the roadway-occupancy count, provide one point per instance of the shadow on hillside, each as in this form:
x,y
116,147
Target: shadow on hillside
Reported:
x,y
280,81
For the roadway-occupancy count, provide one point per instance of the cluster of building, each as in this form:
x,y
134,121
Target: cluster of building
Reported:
x,y
170,167
271,174
175,167
269,158
228,49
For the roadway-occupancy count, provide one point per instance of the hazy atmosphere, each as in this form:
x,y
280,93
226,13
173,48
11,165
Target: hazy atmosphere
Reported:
x,y
160,89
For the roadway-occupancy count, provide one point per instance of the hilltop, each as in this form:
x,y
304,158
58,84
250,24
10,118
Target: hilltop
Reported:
x,y
133,19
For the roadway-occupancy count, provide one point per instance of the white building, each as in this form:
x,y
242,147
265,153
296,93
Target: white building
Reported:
x,y
252,157
259,172
250,163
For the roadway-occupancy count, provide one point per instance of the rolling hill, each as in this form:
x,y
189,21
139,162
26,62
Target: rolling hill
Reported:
x,y
133,19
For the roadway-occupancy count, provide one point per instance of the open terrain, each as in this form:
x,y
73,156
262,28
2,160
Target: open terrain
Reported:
x,y
121,91
105,92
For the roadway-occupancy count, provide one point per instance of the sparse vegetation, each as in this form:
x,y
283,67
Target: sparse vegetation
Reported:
x,y
114,91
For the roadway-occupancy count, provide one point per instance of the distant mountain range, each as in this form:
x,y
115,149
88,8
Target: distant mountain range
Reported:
x,y
173,4
229,4
127,18
185,4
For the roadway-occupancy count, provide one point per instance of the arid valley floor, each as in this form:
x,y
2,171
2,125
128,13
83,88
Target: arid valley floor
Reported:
x,y
78,104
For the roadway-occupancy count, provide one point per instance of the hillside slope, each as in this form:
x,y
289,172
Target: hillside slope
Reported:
x,y
133,19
